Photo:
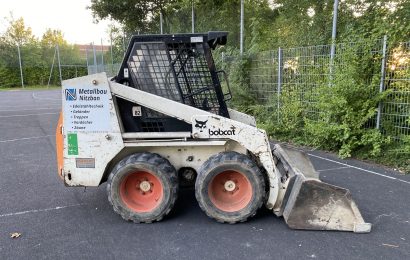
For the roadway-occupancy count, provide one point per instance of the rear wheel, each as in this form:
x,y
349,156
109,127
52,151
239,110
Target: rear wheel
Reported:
x,y
230,187
143,187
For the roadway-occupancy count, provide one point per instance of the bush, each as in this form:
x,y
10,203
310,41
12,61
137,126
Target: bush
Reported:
x,y
346,107
36,61
340,115
237,68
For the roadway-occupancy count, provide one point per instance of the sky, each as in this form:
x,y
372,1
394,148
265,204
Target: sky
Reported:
x,y
69,16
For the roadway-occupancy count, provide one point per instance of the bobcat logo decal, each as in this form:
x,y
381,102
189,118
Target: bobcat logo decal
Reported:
x,y
201,125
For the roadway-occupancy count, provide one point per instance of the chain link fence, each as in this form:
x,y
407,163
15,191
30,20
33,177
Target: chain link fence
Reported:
x,y
36,65
395,110
32,64
302,71
104,58
272,74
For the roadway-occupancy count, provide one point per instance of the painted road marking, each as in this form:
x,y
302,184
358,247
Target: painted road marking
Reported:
x,y
332,169
31,115
31,109
25,138
39,210
43,98
33,105
358,168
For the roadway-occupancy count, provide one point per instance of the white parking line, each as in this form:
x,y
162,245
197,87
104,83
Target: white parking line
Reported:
x,y
31,109
39,210
332,169
30,115
358,168
43,98
33,105
24,138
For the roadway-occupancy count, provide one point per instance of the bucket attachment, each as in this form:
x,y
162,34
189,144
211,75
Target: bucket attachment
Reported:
x,y
309,203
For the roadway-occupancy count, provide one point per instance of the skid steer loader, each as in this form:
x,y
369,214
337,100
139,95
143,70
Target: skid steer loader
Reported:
x,y
163,121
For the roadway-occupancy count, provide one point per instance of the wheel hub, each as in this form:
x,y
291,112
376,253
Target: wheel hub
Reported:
x,y
230,191
230,185
145,186
141,191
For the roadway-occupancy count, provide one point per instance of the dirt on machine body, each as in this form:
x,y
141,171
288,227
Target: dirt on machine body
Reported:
x,y
163,123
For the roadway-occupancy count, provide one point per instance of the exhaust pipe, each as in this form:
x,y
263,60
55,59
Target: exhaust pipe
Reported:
x,y
311,204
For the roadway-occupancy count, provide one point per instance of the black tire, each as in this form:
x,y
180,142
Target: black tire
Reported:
x,y
125,200
212,174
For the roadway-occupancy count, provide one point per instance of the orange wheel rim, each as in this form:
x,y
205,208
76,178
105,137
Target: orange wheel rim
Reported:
x,y
230,191
141,191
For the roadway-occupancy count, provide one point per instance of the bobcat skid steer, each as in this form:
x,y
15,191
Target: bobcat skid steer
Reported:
x,y
163,122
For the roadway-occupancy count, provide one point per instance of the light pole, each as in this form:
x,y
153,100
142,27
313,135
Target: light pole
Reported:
x,y
160,21
332,49
193,17
21,67
241,36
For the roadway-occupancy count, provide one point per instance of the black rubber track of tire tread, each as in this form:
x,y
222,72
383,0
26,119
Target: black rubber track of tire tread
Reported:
x,y
237,157
161,163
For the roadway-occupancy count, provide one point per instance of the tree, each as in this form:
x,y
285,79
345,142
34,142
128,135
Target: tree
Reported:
x,y
52,38
17,33
135,15
223,15
118,42
371,19
35,56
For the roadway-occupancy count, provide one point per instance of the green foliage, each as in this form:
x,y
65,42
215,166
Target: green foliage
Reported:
x,y
268,24
283,117
346,106
32,87
142,16
17,33
299,17
118,41
135,15
52,38
237,68
395,154
372,19
341,111
36,56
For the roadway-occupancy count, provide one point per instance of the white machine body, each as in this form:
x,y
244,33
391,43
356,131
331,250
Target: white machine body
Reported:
x,y
93,139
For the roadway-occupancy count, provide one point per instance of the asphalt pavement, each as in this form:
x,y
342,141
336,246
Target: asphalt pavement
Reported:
x,y
61,222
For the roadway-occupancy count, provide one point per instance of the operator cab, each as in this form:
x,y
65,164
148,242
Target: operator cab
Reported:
x,y
179,67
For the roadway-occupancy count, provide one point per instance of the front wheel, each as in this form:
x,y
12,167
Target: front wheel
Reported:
x,y
143,187
230,187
